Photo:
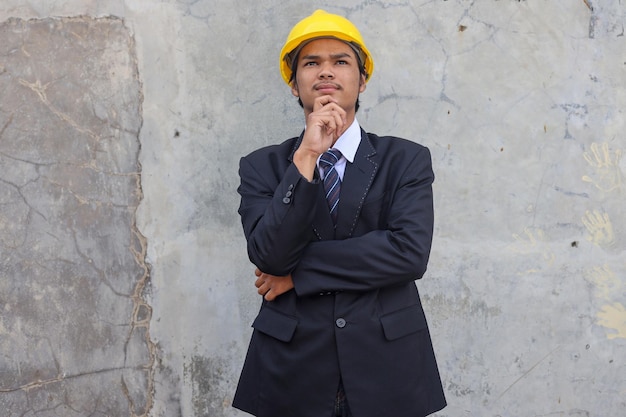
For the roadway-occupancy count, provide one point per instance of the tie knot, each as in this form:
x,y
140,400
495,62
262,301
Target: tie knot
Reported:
x,y
330,157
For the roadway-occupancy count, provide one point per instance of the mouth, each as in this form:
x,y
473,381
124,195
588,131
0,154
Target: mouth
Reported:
x,y
326,87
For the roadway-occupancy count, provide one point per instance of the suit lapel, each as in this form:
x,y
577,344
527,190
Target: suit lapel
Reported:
x,y
322,222
356,183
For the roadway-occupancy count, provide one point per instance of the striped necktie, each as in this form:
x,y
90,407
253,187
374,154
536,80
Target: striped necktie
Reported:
x,y
332,182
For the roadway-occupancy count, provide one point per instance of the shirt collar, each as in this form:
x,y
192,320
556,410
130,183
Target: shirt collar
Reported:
x,y
348,143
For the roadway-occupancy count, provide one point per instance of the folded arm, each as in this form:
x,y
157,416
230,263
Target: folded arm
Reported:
x,y
391,256
277,214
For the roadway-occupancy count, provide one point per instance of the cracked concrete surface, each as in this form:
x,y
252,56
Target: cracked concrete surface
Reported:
x,y
74,323
118,297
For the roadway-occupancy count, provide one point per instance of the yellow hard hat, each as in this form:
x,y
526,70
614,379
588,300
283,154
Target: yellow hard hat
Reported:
x,y
322,24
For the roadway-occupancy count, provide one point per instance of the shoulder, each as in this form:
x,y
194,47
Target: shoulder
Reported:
x,y
281,151
395,145
399,156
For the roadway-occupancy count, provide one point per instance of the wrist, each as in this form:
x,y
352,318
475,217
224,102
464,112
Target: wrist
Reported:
x,y
306,162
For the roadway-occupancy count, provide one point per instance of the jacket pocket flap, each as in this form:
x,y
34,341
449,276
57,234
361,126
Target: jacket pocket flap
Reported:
x,y
403,322
275,324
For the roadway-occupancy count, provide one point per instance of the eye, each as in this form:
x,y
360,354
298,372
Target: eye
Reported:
x,y
309,64
342,62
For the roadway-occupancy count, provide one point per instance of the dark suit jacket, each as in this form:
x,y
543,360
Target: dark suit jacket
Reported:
x,y
355,312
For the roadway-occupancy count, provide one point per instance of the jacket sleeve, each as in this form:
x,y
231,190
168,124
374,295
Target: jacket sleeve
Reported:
x,y
395,254
276,213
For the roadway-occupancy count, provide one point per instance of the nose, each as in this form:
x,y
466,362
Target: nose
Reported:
x,y
326,71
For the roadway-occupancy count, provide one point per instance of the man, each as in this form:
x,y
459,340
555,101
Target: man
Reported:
x,y
338,241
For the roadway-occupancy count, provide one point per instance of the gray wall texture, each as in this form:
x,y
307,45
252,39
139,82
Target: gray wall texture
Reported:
x,y
125,289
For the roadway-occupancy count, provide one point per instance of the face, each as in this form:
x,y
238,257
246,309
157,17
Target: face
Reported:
x,y
328,67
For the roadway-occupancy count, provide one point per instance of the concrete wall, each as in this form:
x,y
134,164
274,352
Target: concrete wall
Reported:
x,y
124,285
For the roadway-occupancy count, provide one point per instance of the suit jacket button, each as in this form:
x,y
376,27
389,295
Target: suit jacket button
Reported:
x,y
341,323
286,200
288,194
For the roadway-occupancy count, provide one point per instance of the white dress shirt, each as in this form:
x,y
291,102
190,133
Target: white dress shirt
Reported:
x,y
347,144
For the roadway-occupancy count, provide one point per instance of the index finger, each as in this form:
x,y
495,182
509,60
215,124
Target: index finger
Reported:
x,y
322,101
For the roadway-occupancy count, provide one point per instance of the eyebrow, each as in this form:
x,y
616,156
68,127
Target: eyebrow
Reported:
x,y
332,56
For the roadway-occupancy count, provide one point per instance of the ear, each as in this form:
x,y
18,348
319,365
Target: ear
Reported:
x,y
362,83
294,89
